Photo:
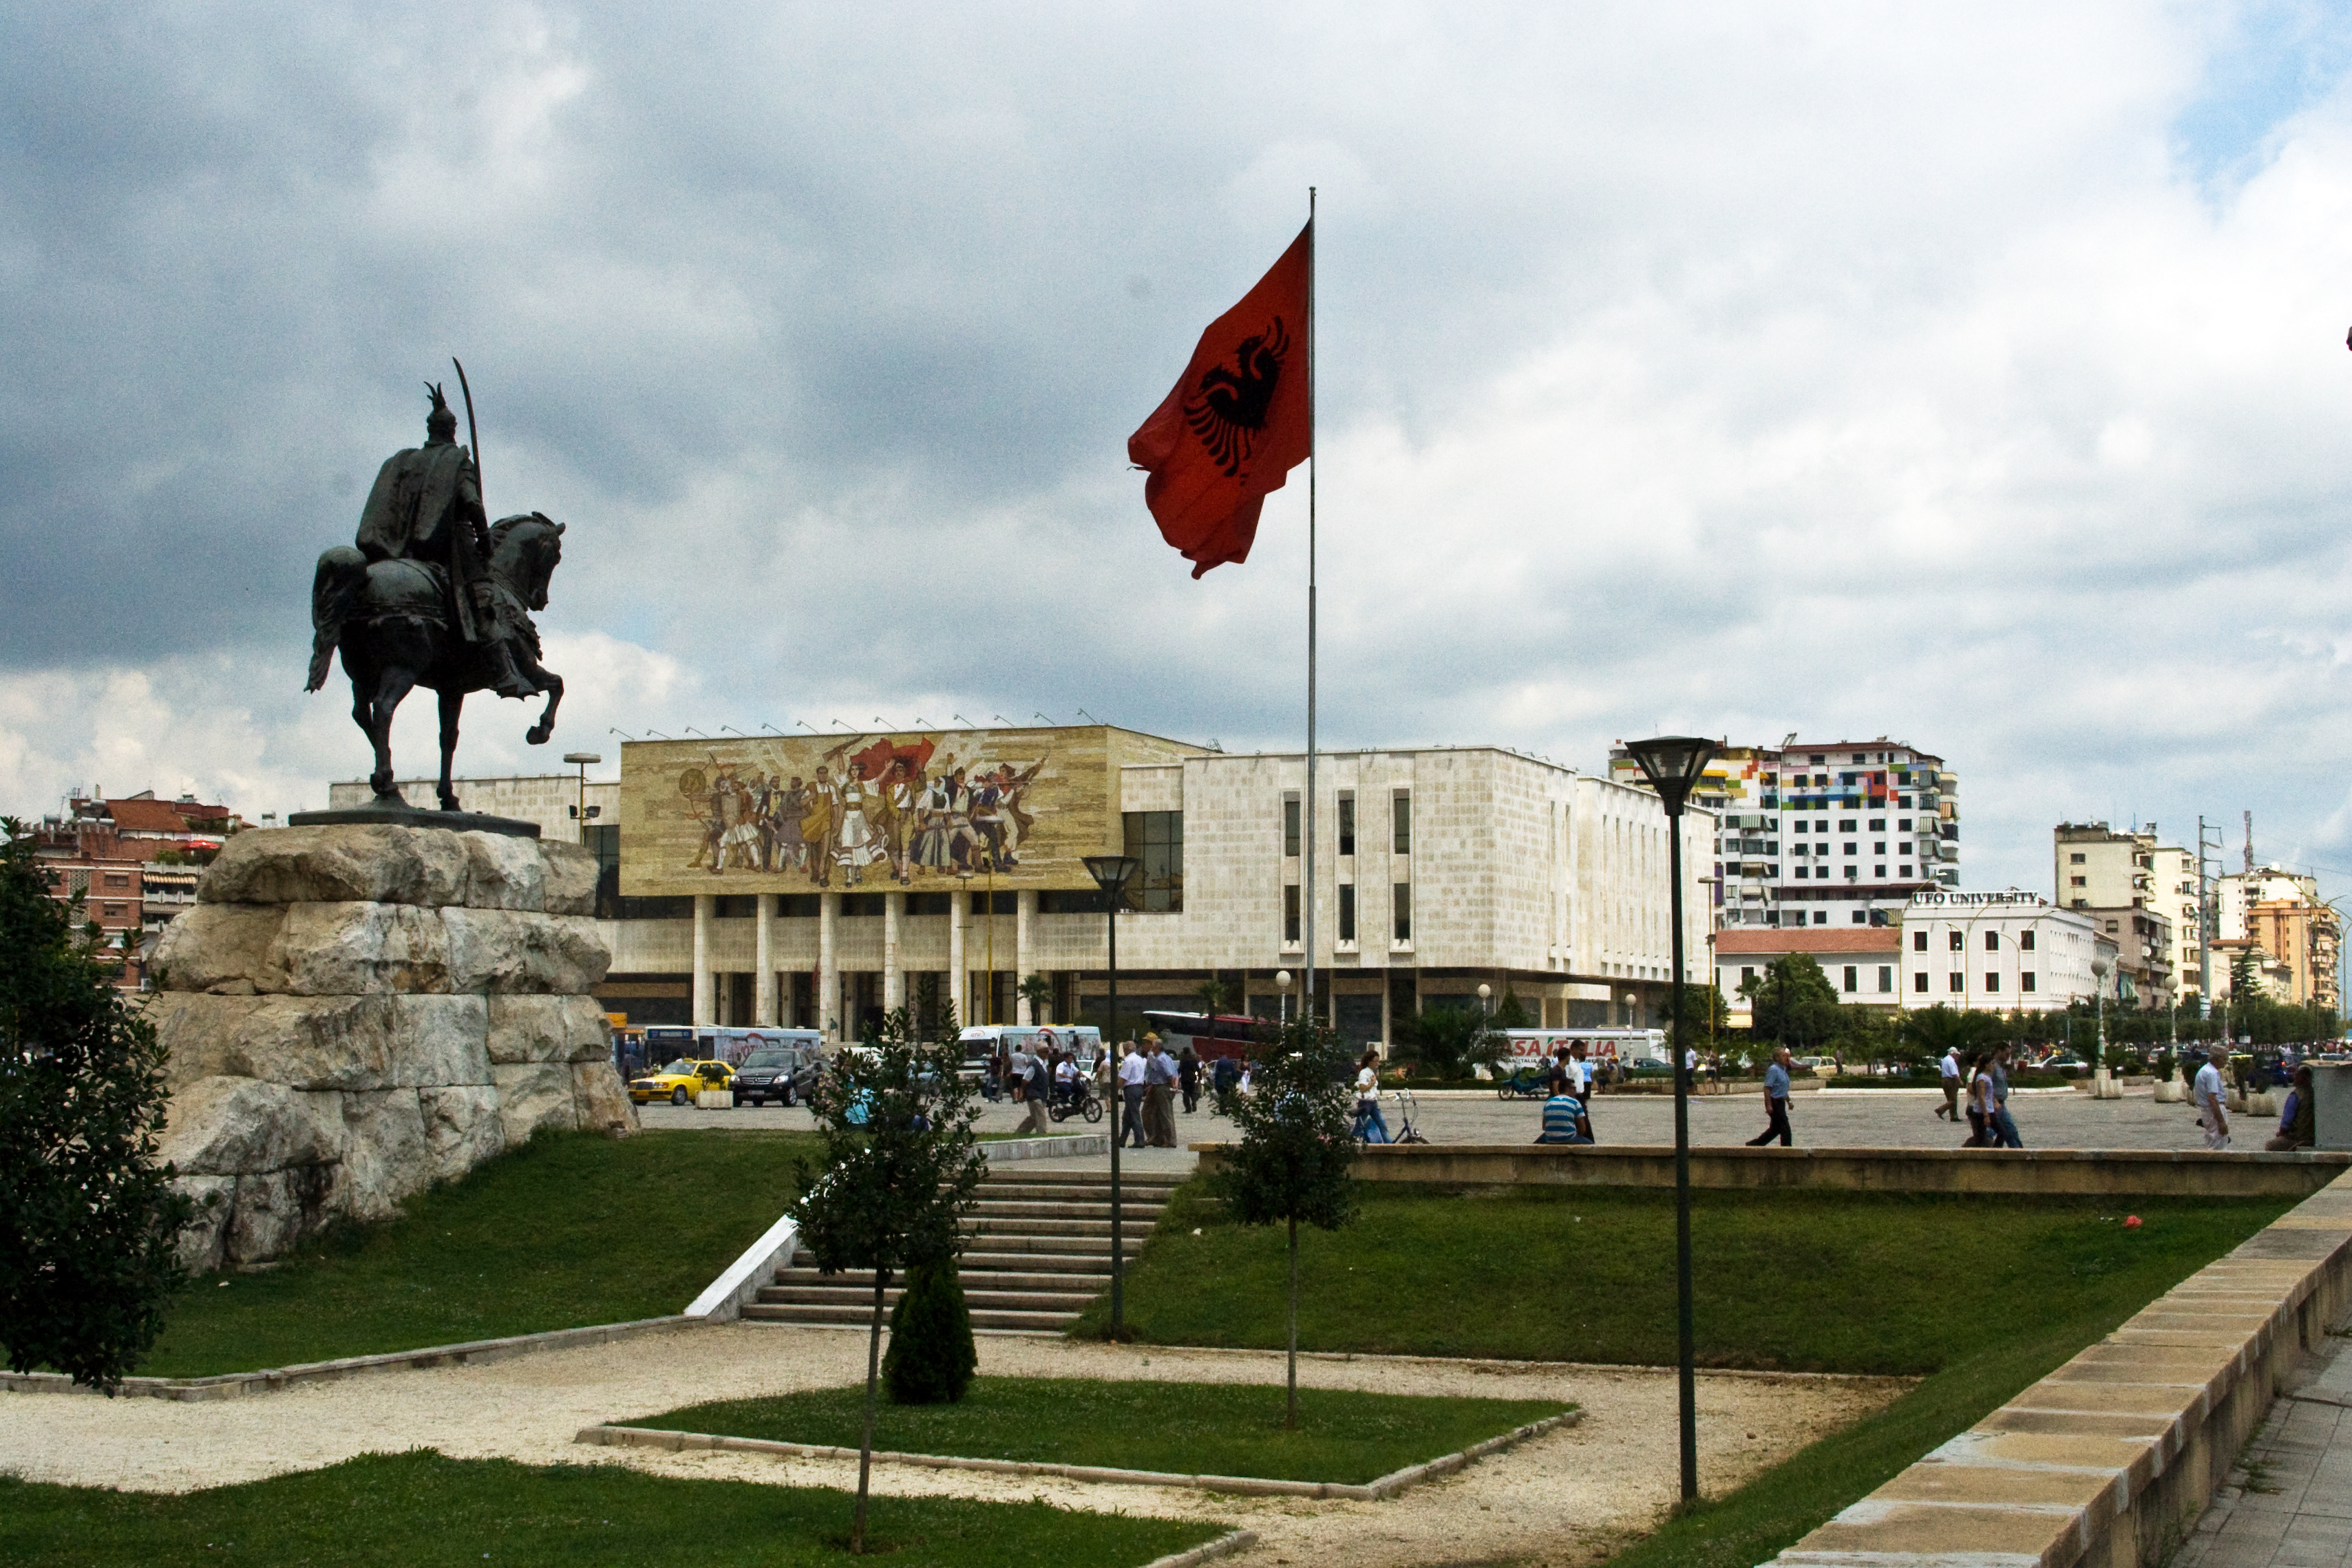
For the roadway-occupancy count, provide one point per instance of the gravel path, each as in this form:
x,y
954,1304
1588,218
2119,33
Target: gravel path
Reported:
x,y
1562,1498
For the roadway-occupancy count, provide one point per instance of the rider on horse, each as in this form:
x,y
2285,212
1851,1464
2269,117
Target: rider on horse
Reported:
x,y
426,508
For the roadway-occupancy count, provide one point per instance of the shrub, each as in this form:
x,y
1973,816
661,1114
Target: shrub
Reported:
x,y
931,1356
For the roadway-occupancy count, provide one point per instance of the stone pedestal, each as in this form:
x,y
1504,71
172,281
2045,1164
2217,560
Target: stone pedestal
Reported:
x,y
354,1013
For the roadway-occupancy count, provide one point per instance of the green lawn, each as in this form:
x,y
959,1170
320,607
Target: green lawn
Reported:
x,y
1215,1428
1864,1282
419,1508
572,1229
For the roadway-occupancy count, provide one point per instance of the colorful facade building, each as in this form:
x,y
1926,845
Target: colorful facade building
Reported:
x,y
1825,833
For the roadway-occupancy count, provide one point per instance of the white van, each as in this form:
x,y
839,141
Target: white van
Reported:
x,y
982,1043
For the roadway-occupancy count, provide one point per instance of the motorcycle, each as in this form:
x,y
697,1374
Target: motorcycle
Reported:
x,y
1526,1082
1076,1098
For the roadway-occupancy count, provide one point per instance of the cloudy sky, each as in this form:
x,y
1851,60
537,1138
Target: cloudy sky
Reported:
x,y
1974,374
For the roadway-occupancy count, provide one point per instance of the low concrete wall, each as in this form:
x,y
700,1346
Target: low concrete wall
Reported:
x,y
2120,1173
2107,1461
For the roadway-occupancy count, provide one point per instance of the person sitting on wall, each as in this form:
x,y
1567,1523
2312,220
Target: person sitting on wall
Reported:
x,y
2298,1123
1564,1121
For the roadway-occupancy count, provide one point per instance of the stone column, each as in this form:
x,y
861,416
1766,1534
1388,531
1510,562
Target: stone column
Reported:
x,y
705,905
1024,911
894,979
959,978
828,972
763,987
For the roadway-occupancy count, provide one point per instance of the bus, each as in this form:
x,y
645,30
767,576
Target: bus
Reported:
x,y
712,1043
984,1043
1210,1037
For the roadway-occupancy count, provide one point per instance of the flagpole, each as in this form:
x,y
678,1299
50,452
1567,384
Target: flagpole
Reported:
x,y
1310,892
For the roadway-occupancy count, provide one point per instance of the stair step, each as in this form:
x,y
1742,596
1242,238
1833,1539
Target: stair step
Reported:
x,y
985,1225
1087,1284
1084,1192
860,1317
988,1209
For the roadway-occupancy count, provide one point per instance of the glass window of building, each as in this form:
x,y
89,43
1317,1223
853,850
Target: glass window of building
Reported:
x,y
1290,825
1156,840
1346,825
1290,914
1403,907
1404,823
1347,911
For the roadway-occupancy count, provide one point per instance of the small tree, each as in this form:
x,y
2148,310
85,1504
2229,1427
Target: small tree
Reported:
x,y
1449,1040
89,1223
1292,1163
1038,992
901,1168
931,1356
1511,1012
1211,992
1932,1031
1793,1003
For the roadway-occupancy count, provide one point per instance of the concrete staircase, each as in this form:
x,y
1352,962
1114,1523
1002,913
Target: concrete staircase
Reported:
x,y
1038,1251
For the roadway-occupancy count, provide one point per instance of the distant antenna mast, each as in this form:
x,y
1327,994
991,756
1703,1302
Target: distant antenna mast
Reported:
x,y
2250,844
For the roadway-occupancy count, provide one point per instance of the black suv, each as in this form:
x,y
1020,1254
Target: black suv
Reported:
x,y
780,1073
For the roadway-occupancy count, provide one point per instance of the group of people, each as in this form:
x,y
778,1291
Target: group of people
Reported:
x,y
1985,1083
1150,1080
1038,1079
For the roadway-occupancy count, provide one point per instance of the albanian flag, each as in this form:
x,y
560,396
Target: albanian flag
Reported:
x,y
1236,422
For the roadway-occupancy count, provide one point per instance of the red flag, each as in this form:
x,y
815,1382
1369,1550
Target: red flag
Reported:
x,y
1236,422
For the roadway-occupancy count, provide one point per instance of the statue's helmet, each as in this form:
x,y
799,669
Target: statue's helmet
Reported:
x,y
440,422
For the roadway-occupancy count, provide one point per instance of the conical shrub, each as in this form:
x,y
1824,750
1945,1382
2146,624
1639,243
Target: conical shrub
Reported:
x,y
931,1356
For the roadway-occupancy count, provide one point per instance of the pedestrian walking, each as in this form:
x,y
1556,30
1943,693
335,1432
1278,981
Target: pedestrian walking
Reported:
x,y
1776,1102
1131,1067
1980,1133
1040,1090
1188,1080
2004,1127
1370,1126
1949,1067
2212,1096
1581,1067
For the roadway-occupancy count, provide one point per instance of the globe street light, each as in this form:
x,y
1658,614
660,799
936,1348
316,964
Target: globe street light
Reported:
x,y
1674,764
1111,873
1486,998
1282,979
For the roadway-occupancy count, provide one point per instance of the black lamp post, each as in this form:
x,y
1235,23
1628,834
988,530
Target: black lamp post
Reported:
x,y
1673,763
1111,873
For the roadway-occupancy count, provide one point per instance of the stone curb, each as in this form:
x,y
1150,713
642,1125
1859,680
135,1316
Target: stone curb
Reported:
x,y
237,1384
1224,1545
1385,1487
1067,1146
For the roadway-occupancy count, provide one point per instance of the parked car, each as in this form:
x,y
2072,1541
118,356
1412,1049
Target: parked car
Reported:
x,y
781,1072
680,1081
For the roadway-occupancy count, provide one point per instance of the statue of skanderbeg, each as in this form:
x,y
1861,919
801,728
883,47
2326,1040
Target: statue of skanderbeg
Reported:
x,y
426,508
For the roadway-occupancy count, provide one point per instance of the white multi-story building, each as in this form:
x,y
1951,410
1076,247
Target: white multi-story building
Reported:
x,y
2095,868
1825,833
2295,937
2002,952
749,881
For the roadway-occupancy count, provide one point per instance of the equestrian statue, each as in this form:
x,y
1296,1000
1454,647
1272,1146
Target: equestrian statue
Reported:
x,y
432,594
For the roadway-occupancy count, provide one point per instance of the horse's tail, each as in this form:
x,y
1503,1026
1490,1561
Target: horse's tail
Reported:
x,y
335,591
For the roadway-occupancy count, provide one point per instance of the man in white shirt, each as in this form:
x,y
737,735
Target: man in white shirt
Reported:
x,y
2212,1098
1950,1070
1131,1069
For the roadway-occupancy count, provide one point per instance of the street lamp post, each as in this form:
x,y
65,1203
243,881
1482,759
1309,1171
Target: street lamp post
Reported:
x,y
1673,763
1111,873
1485,999
2099,1084
579,811
1282,980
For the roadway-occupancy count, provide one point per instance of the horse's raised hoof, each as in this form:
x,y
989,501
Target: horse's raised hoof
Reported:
x,y
537,734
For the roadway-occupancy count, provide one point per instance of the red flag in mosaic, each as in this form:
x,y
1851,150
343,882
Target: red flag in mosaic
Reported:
x,y
1236,422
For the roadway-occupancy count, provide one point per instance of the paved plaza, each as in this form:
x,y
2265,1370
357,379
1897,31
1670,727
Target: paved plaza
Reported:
x,y
1836,1119
2288,1503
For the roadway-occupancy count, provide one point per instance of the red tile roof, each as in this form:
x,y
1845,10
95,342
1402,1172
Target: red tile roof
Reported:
x,y
1778,940
146,817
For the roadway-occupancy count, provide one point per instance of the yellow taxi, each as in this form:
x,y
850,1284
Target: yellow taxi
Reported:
x,y
680,1081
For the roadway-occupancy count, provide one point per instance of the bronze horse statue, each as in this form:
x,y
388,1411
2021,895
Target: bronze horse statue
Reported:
x,y
391,620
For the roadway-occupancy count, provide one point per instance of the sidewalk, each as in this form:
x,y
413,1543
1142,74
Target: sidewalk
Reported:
x,y
2288,1502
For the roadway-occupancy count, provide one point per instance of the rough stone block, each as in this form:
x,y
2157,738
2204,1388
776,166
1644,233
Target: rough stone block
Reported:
x,y
202,1245
383,865
532,1095
462,1127
215,945
241,1126
274,1210
546,1029
503,872
515,951
358,950
385,1155
571,878
325,1042
599,1100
